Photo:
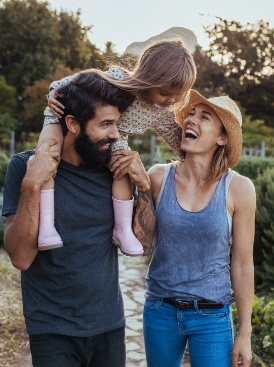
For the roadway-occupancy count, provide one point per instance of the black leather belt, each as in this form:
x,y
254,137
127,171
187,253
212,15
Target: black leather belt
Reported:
x,y
202,304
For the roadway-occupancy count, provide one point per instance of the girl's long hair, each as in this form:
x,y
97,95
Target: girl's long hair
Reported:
x,y
162,63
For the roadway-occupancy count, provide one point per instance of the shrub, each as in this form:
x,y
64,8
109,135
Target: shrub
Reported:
x,y
262,329
264,234
253,166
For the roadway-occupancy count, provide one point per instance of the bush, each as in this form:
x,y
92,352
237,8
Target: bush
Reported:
x,y
264,230
4,161
253,166
262,329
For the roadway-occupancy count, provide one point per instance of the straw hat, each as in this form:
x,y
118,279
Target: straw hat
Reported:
x,y
229,114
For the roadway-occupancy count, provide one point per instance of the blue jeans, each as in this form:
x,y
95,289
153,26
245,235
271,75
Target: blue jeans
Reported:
x,y
209,333
103,350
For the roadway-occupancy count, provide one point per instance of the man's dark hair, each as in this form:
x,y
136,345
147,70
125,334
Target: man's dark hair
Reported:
x,y
87,92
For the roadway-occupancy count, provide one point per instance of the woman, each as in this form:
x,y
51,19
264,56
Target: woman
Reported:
x,y
202,207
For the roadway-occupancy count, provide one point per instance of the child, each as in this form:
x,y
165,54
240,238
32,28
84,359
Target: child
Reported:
x,y
163,76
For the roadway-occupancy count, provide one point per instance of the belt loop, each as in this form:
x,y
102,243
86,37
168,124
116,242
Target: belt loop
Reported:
x,y
195,303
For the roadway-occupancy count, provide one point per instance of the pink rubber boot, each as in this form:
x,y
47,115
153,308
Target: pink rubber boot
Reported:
x,y
48,237
122,232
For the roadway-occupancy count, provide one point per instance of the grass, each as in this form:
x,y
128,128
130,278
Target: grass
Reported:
x,y
13,338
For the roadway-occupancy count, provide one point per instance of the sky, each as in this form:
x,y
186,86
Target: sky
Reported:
x,y
125,21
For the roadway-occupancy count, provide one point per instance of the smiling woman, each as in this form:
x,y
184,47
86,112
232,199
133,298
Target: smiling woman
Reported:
x,y
201,207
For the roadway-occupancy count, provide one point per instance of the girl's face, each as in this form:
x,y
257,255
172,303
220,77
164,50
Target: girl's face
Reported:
x,y
163,96
202,131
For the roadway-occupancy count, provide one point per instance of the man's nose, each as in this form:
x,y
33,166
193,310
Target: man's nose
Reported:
x,y
114,133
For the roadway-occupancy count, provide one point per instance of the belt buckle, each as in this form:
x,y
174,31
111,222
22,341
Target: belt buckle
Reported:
x,y
183,304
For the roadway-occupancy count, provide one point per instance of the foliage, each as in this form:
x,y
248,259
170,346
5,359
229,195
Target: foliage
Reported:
x,y
4,161
254,131
210,79
253,166
262,329
7,97
28,142
245,51
261,172
34,40
35,99
264,236
246,54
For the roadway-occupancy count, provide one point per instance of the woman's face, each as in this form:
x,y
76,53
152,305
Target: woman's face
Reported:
x,y
202,131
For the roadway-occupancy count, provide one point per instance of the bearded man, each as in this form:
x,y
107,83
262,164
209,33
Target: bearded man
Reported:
x,y
72,301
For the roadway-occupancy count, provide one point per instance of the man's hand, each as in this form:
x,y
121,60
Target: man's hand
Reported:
x,y
129,162
42,166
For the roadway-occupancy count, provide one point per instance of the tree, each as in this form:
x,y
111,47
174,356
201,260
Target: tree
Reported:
x,y
246,54
264,234
35,99
34,40
8,104
210,76
7,97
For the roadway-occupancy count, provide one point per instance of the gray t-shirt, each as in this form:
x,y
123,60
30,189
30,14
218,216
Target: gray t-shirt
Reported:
x,y
73,290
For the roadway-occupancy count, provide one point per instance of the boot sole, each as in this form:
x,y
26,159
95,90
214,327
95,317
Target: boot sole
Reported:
x,y
51,246
116,243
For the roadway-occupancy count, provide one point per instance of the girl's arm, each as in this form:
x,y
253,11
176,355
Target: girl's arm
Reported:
x,y
52,132
242,200
169,130
55,109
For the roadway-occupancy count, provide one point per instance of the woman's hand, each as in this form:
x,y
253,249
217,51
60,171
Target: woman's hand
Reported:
x,y
55,106
242,354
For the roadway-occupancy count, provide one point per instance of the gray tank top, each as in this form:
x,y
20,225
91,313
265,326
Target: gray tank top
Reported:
x,y
191,249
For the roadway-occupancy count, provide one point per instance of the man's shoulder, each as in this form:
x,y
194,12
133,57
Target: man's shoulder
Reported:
x,y
22,156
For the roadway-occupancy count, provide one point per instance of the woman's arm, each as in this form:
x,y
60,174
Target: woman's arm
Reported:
x,y
242,199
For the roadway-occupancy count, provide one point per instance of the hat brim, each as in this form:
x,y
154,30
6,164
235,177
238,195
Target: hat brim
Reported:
x,y
228,119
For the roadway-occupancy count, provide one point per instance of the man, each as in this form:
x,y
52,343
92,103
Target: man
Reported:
x,y
71,297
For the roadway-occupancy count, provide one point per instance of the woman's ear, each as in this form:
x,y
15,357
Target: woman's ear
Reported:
x,y
222,140
72,124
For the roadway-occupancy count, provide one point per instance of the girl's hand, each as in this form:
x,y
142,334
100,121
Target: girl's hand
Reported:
x,y
55,106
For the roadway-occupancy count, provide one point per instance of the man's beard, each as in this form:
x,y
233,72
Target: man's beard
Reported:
x,y
90,152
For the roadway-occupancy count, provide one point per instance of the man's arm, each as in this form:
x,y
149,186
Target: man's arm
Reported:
x,y
144,221
21,231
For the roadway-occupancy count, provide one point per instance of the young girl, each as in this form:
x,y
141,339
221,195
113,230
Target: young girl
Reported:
x,y
163,76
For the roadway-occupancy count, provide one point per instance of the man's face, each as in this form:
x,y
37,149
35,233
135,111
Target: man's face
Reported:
x,y
94,143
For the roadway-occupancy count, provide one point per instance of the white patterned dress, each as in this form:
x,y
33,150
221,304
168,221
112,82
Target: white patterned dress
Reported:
x,y
138,117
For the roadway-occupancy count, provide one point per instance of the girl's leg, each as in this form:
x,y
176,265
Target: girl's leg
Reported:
x,y
164,341
211,338
123,211
48,237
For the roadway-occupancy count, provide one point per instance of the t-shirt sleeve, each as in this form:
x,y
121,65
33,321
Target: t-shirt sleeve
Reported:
x,y
12,187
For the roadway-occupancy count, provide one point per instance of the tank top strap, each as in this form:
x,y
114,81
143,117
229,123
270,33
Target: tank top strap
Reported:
x,y
166,173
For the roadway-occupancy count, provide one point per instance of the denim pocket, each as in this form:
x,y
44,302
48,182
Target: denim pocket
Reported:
x,y
154,304
215,312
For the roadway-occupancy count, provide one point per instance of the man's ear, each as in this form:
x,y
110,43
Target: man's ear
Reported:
x,y
72,124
